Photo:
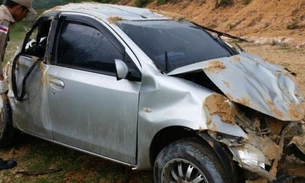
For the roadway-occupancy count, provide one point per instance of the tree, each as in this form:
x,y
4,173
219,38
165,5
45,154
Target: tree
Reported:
x,y
45,4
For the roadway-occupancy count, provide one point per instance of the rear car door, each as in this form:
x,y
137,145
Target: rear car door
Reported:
x,y
90,109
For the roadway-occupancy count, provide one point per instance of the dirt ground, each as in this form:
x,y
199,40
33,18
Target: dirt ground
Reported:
x,y
261,21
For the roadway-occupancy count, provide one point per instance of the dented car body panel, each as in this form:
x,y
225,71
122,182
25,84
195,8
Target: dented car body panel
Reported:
x,y
243,103
242,79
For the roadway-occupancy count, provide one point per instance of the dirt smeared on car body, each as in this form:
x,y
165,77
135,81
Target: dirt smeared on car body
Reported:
x,y
272,101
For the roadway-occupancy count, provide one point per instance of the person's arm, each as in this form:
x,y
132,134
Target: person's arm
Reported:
x,y
4,36
4,33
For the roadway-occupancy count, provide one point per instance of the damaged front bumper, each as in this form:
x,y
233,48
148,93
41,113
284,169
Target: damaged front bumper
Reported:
x,y
259,153
256,141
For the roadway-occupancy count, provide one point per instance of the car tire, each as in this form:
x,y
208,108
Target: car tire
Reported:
x,y
188,160
7,132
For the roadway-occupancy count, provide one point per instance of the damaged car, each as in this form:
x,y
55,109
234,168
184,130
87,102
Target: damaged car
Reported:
x,y
152,92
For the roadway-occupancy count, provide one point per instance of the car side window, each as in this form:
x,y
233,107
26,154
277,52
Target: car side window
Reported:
x,y
84,47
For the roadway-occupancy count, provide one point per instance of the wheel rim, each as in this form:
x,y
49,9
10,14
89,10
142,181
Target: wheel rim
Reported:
x,y
182,171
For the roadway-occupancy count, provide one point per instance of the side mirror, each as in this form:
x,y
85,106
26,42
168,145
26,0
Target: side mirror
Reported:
x,y
121,69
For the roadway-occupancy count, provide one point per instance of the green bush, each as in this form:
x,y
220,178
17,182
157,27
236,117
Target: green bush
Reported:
x,y
231,26
162,1
246,1
220,3
103,1
141,3
292,25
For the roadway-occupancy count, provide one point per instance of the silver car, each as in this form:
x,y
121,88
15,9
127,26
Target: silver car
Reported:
x,y
151,92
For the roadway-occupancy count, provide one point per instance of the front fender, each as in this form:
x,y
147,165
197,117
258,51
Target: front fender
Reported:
x,y
221,115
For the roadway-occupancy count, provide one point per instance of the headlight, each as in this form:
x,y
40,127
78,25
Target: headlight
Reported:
x,y
249,155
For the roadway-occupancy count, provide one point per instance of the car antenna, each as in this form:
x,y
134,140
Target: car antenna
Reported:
x,y
166,61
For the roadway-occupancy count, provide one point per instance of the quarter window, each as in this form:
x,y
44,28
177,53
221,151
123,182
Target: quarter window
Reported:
x,y
85,47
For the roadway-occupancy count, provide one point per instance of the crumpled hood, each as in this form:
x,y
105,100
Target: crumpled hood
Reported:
x,y
252,82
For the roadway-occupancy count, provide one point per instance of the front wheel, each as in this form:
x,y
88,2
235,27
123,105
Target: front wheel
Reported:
x,y
187,161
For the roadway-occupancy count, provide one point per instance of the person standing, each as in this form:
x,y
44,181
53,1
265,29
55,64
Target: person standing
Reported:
x,y
11,11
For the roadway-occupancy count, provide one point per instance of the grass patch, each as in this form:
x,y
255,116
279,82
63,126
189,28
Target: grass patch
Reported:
x,y
231,26
161,1
220,3
17,34
33,154
292,25
246,1
286,48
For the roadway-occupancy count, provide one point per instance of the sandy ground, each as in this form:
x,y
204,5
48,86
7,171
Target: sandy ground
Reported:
x,y
261,21
288,57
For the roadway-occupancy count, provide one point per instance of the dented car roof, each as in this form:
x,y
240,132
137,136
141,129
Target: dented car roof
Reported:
x,y
106,11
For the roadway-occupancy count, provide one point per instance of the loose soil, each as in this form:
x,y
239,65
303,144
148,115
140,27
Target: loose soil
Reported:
x,y
275,22
276,31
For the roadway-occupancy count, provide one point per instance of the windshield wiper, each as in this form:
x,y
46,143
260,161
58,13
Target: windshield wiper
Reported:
x,y
219,34
232,50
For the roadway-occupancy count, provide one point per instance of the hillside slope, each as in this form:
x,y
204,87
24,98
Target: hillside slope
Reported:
x,y
274,21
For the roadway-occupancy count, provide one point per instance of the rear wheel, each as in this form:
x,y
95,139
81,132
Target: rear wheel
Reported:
x,y
187,161
7,132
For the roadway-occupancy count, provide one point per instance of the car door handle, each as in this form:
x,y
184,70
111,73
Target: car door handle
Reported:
x,y
57,84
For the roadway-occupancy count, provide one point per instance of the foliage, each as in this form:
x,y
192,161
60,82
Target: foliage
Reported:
x,y
104,1
45,4
231,26
246,1
71,1
220,3
141,3
38,4
78,1
162,1
292,25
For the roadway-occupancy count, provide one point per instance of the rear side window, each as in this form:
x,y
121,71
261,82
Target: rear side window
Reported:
x,y
85,47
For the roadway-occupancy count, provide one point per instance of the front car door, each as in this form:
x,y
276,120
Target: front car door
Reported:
x,y
89,108
28,95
